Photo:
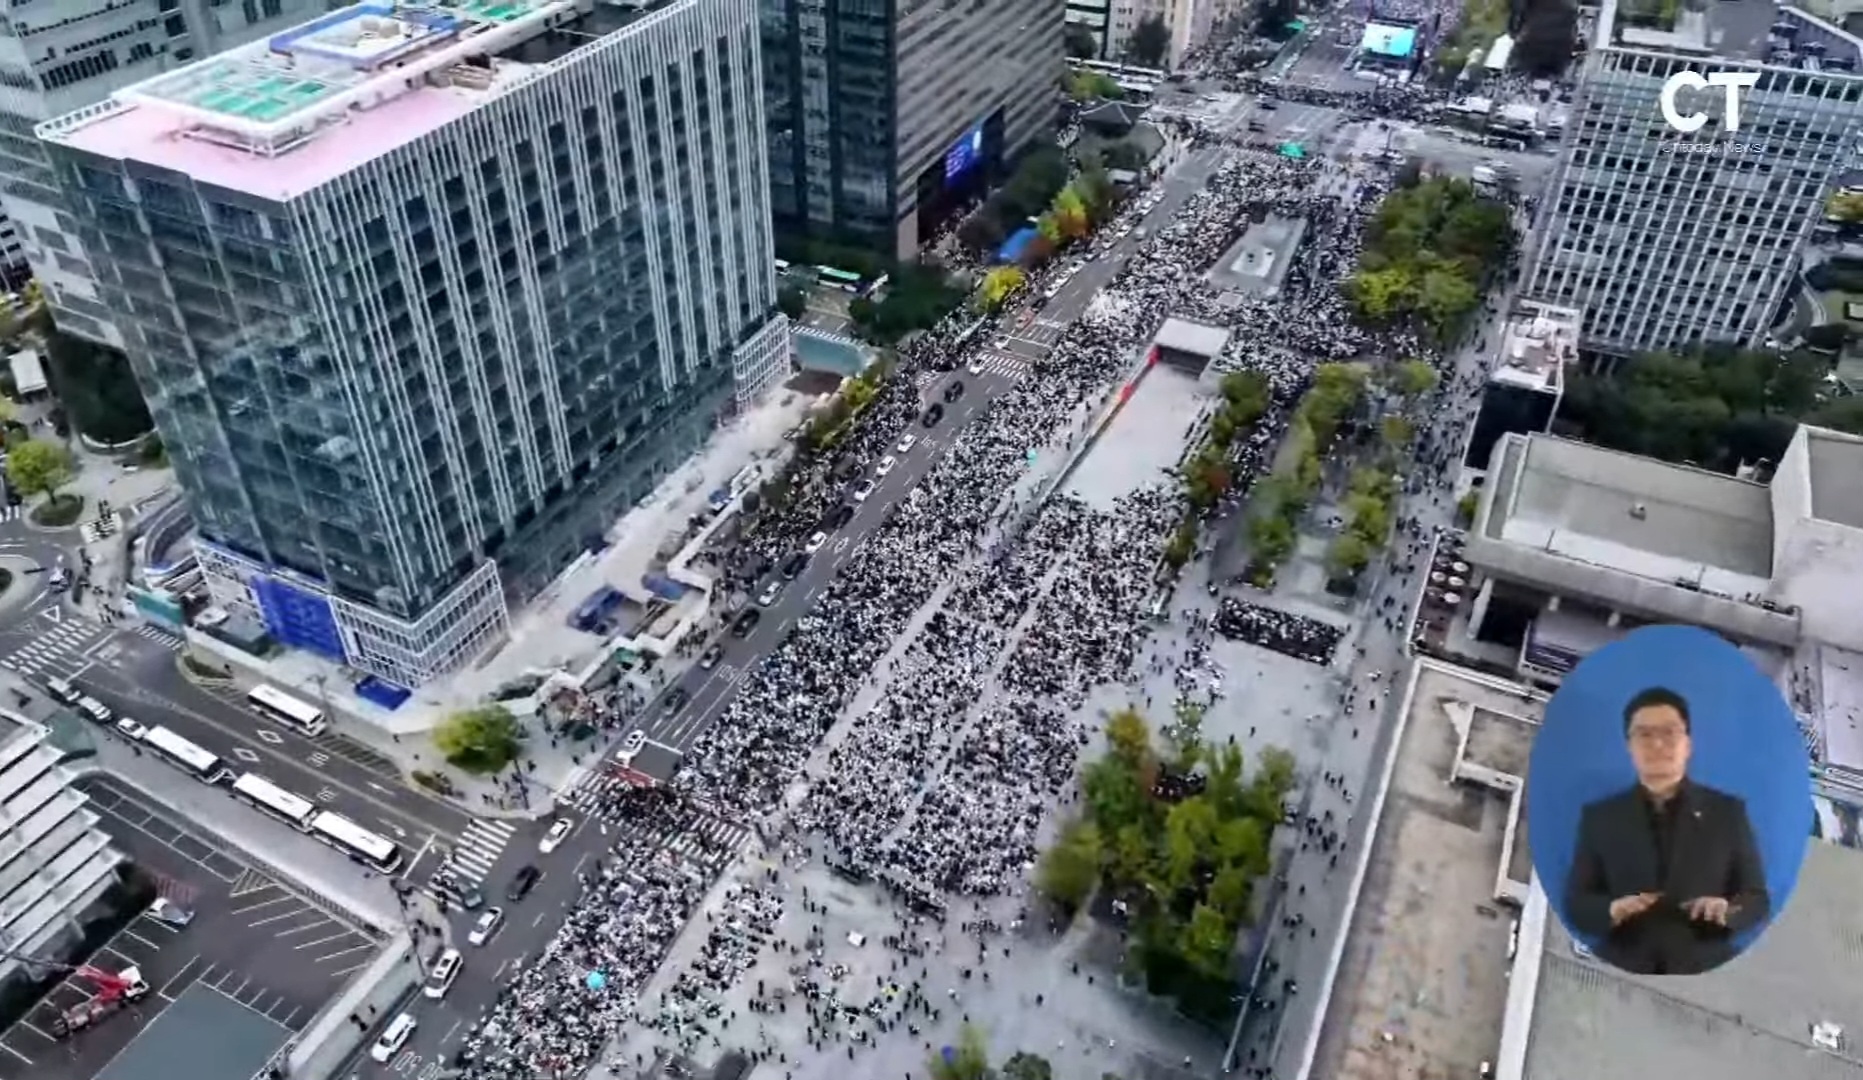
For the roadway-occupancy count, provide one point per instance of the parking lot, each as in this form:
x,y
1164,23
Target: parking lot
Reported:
x,y
251,938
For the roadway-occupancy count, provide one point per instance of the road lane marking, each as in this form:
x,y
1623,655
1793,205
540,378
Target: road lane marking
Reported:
x,y
322,941
16,1053
262,904
178,976
116,687
346,952
279,918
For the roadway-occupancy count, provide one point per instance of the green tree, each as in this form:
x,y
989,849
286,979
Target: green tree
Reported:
x,y
967,1059
1347,555
1080,42
1396,432
39,467
482,740
1150,42
1383,295
1181,546
97,389
1845,207
1189,832
1068,870
1245,392
1271,538
1413,378
792,301
1208,942
1128,739
1026,1066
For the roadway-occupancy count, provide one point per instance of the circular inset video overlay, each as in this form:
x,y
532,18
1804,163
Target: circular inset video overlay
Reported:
x,y
1668,802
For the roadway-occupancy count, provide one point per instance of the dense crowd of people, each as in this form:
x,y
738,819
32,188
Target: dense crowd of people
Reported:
x,y
941,783
1298,636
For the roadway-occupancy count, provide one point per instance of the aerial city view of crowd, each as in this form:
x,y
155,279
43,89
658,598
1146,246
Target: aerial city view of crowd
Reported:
x,y
960,743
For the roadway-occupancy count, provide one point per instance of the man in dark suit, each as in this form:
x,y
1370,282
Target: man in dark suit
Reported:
x,y
1665,874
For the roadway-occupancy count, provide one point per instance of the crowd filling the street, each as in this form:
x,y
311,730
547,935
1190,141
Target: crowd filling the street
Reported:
x,y
915,733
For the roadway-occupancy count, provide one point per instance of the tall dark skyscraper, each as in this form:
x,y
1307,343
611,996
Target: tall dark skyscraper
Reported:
x,y
883,114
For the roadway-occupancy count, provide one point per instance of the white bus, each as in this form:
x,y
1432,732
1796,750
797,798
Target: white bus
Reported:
x,y
203,764
287,710
293,810
355,841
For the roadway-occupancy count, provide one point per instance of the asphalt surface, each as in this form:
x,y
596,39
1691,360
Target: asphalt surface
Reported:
x,y
273,950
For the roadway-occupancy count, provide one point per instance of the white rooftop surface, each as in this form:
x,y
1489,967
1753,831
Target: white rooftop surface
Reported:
x,y
1836,461
1840,690
329,116
1192,337
1638,515
28,371
1144,442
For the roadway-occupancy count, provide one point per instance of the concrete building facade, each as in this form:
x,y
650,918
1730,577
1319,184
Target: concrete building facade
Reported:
x,y
55,863
420,307
885,115
1665,238
55,58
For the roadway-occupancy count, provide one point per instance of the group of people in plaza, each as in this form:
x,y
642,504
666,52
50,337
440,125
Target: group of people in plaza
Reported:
x,y
952,734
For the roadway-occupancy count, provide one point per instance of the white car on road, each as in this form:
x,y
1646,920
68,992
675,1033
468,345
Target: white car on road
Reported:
x,y
861,492
886,465
131,728
815,543
559,831
906,444
976,366
487,925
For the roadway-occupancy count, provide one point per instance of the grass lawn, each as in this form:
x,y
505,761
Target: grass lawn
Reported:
x,y
58,512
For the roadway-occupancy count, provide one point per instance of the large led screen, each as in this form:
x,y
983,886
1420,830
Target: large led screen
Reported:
x,y
1393,41
964,155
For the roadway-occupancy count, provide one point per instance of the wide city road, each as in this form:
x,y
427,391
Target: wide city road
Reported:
x,y
1028,336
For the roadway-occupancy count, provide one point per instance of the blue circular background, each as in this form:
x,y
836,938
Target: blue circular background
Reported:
x,y
1746,743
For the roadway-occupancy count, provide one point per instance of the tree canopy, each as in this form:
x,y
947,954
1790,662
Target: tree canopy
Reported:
x,y
97,389
1428,253
482,740
1715,408
1184,857
1150,42
916,298
39,467
1279,500
1547,37
1038,177
1080,42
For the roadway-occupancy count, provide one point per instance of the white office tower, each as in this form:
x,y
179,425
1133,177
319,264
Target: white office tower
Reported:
x,y
423,297
54,861
60,55
1664,238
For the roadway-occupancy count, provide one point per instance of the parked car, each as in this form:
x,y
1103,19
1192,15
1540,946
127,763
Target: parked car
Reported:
x,y
169,913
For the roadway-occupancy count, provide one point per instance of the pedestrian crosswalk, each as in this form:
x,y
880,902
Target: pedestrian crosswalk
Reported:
x,y
167,639
479,846
65,647
100,529
683,829
468,860
11,513
1004,365
58,650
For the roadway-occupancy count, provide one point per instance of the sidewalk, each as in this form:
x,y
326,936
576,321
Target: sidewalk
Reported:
x,y
102,479
542,640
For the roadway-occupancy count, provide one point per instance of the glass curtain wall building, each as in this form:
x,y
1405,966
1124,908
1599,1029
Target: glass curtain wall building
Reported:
x,y
421,298
1664,238
885,114
56,57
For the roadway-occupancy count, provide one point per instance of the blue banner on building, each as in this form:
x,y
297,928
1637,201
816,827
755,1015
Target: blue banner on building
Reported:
x,y
299,618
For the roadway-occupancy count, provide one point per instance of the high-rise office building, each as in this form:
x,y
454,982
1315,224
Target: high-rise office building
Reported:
x,y
57,57
421,297
885,114
1664,238
54,861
